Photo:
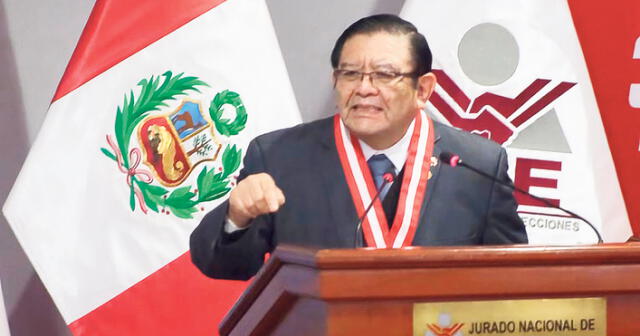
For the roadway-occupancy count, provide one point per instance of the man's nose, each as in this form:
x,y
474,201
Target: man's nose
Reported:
x,y
366,86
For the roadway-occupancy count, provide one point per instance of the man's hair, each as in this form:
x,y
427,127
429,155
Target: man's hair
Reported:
x,y
420,52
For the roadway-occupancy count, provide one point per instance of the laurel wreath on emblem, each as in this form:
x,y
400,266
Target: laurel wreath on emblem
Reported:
x,y
211,185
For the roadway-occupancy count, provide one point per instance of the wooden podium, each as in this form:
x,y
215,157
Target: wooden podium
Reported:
x,y
304,291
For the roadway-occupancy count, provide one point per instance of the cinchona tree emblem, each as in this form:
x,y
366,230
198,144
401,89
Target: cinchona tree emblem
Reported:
x,y
171,143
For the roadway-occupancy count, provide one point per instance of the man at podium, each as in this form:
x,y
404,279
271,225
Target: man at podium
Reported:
x,y
368,176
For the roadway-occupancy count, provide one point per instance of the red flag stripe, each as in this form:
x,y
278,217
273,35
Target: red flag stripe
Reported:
x,y
178,295
118,29
607,35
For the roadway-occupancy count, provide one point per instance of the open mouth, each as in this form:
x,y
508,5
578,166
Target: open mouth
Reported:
x,y
365,108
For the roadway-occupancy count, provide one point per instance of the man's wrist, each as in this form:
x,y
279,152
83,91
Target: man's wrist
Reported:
x,y
230,226
238,219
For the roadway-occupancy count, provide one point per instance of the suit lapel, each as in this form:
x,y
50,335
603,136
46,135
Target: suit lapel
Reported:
x,y
434,169
342,209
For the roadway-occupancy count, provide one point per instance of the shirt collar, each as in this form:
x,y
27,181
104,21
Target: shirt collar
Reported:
x,y
397,153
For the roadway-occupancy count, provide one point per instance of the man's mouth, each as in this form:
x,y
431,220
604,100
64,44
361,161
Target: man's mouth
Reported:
x,y
366,108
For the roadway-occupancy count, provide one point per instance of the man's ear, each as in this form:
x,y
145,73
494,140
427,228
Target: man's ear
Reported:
x,y
426,85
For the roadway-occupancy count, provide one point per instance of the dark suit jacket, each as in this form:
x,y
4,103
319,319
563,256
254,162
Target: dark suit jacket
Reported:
x,y
460,207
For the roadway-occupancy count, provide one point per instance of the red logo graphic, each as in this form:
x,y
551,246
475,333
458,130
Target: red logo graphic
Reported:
x,y
444,327
444,331
490,115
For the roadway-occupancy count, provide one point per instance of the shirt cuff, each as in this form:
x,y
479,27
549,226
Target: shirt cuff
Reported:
x,y
231,227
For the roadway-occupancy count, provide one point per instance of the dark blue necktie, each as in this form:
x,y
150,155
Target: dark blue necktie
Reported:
x,y
379,164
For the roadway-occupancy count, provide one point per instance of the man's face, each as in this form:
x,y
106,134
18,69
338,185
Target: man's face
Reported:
x,y
379,113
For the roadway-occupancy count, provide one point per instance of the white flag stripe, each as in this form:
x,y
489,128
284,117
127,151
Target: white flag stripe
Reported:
x,y
70,205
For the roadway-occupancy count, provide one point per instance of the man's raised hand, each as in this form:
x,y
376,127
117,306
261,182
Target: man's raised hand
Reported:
x,y
256,195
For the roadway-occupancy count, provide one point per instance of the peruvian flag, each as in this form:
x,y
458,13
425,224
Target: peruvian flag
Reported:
x,y
144,136
514,72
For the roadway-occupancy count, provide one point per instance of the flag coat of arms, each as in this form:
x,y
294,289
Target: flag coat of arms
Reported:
x,y
146,135
514,72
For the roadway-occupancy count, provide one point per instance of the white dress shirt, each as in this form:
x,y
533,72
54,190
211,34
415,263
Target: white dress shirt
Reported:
x,y
397,154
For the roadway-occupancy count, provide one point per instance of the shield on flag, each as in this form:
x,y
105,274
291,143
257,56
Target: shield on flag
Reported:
x,y
174,144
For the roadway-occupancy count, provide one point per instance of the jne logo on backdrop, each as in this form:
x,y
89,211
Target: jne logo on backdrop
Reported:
x,y
504,118
518,78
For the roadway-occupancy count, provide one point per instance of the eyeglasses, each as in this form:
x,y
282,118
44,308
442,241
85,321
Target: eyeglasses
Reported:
x,y
378,78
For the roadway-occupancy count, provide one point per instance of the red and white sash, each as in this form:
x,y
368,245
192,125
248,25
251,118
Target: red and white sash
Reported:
x,y
414,184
